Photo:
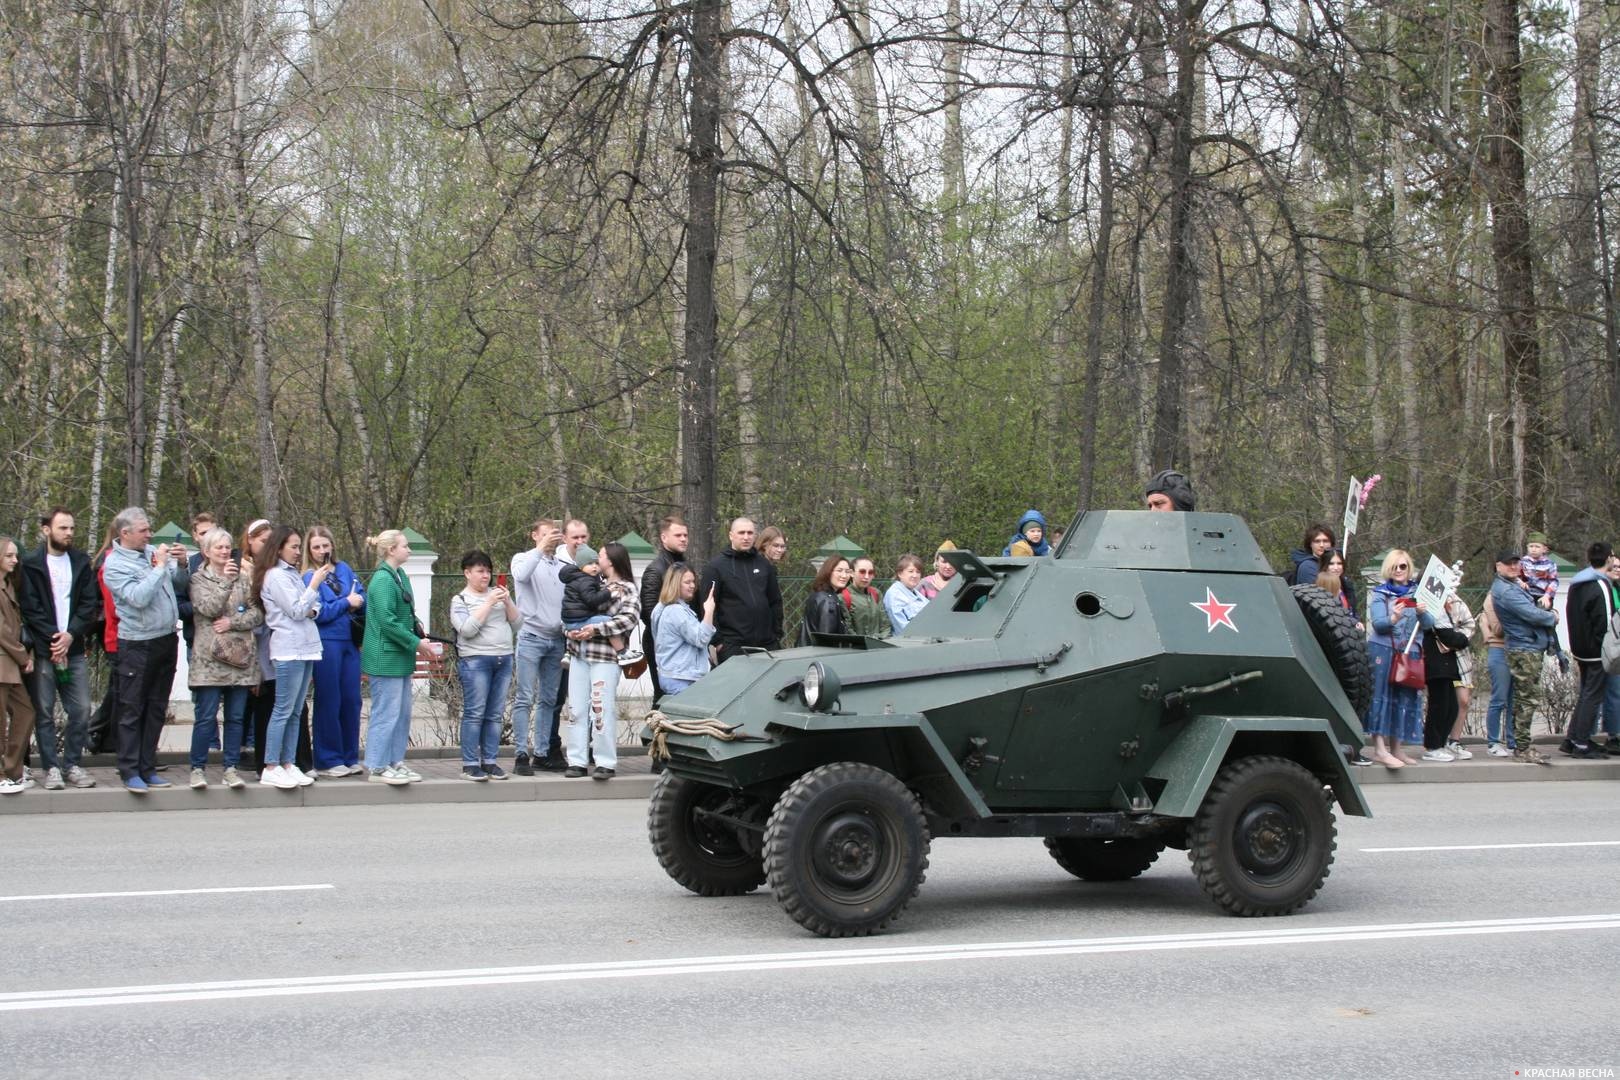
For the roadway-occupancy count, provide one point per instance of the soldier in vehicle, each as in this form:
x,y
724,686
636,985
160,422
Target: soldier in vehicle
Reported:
x,y
1170,490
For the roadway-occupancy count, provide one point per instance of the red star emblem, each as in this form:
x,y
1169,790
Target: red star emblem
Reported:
x,y
1219,614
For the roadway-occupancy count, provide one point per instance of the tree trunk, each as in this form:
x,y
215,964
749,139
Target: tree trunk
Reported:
x,y
247,253
699,374
109,297
1096,308
1169,447
1514,258
1405,367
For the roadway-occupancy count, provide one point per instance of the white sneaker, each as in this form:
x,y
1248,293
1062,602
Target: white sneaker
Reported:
x,y
1497,749
1438,755
53,780
8,786
407,772
79,778
276,776
389,775
199,779
333,773
298,776
233,779
1458,752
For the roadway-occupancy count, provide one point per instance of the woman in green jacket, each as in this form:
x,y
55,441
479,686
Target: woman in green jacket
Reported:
x,y
388,659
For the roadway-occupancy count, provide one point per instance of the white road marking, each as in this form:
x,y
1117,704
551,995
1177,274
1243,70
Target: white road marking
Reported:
x,y
1499,847
162,993
161,892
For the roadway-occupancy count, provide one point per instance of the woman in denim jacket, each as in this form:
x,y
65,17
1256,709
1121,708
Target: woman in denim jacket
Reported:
x,y
1396,713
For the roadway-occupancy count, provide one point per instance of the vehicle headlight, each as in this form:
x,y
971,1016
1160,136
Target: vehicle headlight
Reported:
x,y
819,688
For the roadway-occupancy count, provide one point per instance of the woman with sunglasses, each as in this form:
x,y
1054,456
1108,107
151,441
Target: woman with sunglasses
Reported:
x,y
1396,713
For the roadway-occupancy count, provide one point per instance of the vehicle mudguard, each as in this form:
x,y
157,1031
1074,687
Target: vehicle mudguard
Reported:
x,y
928,766
1188,766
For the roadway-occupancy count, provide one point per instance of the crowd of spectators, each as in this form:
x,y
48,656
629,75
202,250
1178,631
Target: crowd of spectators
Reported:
x,y
269,620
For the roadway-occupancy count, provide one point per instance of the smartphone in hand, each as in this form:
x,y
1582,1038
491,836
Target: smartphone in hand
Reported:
x,y
500,580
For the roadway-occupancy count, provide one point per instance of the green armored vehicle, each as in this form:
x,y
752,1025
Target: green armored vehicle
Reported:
x,y
1150,684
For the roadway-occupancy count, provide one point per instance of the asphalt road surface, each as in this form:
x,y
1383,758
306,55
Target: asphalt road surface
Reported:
x,y
542,939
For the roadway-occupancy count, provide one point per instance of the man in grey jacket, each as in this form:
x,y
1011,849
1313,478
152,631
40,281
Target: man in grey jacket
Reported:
x,y
143,580
1526,629
540,644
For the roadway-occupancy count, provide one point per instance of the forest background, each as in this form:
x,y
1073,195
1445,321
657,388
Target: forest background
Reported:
x,y
897,270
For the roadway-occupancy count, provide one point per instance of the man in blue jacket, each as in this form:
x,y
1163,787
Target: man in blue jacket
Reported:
x,y
1527,629
143,580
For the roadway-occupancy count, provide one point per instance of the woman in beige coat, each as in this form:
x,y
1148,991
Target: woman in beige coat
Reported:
x,y
16,710
224,655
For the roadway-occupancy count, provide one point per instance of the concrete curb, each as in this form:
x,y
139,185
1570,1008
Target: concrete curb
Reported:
x,y
113,798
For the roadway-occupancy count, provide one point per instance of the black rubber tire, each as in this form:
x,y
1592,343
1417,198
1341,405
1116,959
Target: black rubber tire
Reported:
x,y
709,861
1345,646
1262,841
1104,860
846,848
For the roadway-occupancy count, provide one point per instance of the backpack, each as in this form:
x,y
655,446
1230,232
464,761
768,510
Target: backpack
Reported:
x,y
1610,651
849,600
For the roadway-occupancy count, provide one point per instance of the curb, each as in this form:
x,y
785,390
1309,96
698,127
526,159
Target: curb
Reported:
x,y
112,799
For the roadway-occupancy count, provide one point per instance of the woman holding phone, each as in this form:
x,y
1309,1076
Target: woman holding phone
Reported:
x,y
290,607
335,726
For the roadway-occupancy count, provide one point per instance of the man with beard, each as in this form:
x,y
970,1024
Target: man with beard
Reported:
x,y
60,601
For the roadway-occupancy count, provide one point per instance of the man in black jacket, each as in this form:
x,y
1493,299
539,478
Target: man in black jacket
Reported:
x,y
1588,615
748,599
60,602
673,538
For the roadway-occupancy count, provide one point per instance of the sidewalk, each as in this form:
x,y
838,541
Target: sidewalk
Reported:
x,y
442,783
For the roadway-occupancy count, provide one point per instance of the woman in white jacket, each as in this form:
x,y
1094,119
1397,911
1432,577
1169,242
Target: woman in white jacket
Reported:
x,y
290,608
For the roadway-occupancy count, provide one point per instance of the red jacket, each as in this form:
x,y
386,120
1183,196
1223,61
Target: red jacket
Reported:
x,y
109,636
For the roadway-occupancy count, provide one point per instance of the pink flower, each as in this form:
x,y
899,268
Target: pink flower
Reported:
x,y
1367,489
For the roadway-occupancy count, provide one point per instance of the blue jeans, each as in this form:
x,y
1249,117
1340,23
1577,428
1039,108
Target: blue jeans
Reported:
x,y
390,720
1611,707
484,681
580,624
335,721
538,672
292,687
1499,716
75,697
206,701
593,707
674,686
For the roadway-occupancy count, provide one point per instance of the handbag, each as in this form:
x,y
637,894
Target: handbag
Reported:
x,y
233,650
1408,671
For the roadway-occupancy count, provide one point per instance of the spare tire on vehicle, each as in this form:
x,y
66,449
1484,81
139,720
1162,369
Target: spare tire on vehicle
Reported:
x,y
1346,648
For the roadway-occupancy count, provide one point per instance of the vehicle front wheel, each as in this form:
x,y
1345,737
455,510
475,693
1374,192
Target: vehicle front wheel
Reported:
x,y
845,849
1103,860
694,847
1262,842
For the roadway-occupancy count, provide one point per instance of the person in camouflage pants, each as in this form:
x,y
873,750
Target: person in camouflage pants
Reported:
x,y
1525,667
1526,628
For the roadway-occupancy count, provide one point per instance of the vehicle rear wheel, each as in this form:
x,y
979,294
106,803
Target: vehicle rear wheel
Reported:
x,y
846,849
1262,842
1335,631
1103,860
702,854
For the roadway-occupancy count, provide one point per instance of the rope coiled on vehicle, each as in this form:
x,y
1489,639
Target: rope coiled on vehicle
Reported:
x,y
659,726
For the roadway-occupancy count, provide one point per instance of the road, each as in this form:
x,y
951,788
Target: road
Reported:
x,y
542,938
